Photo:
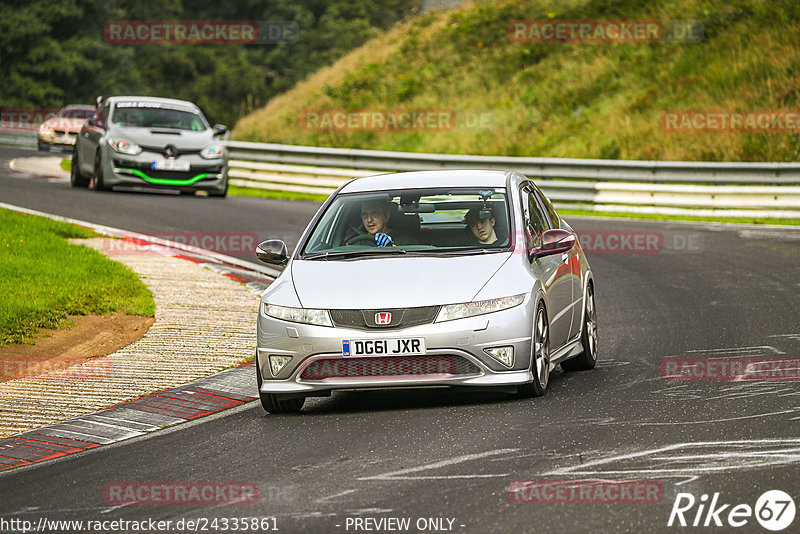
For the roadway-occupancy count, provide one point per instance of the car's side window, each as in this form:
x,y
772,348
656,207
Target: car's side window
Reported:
x,y
535,220
548,207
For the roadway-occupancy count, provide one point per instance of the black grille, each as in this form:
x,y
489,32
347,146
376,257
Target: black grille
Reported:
x,y
175,151
434,365
401,317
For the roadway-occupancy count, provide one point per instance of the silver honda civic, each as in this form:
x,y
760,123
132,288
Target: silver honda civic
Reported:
x,y
435,278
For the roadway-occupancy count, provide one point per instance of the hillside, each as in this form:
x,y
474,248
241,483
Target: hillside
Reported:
x,y
575,99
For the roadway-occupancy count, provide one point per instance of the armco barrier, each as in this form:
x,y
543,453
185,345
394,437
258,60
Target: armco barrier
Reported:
x,y
567,168
762,190
20,139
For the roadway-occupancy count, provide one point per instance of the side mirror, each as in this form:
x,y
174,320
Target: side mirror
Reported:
x,y
219,129
555,241
273,251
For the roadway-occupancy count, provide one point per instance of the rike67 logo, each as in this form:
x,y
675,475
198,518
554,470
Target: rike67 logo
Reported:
x,y
774,510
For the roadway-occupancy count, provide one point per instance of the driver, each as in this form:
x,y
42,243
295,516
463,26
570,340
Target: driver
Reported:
x,y
375,215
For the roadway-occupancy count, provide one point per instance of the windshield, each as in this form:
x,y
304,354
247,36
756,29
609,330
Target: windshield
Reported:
x,y
426,221
76,113
153,115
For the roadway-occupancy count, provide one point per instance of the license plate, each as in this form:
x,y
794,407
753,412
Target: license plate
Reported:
x,y
170,165
408,346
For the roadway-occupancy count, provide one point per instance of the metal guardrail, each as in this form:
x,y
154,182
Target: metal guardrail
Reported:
x,y
549,168
762,190
16,138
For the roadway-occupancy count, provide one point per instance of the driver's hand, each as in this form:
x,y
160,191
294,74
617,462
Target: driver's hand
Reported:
x,y
383,240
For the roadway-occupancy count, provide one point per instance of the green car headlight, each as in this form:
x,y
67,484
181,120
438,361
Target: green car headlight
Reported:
x,y
212,152
123,146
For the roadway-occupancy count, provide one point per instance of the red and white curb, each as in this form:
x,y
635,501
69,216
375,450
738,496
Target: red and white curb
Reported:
x,y
133,418
139,416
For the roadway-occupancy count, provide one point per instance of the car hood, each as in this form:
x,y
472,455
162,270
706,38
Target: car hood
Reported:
x,y
394,282
65,124
161,137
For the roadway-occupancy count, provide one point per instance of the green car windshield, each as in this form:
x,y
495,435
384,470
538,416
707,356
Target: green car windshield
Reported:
x,y
155,116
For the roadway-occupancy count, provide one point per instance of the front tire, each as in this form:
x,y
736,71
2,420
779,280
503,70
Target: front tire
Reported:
x,y
588,358
220,194
275,404
96,183
76,179
540,356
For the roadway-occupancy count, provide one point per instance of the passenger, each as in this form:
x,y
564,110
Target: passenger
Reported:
x,y
481,223
375,215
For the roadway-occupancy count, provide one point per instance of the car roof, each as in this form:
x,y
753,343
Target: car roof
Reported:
x,y
156,99
423,179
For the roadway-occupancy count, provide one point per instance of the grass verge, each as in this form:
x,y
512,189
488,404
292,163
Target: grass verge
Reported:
x,y
657,217
44,278
267,193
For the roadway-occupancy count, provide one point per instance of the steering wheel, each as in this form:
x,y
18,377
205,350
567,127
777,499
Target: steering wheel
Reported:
x,y
363,239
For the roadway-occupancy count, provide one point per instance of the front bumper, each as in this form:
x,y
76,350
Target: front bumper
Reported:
x,y
461,338
58,139
203,174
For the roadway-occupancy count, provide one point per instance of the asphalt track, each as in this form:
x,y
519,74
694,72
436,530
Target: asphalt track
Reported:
x,y
706,291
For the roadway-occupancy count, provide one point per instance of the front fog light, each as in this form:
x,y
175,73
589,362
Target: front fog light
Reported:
x,y
276,363
504,355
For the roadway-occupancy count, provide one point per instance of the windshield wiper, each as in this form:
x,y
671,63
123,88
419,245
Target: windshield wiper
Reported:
x,y
354,253
463,251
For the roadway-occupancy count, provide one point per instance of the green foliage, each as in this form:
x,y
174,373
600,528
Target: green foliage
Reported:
x,y
565,99
53,52
43,278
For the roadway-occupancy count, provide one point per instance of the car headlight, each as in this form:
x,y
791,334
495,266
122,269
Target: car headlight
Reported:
x,y
212,152
478,307
124,146
44,129
299,315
